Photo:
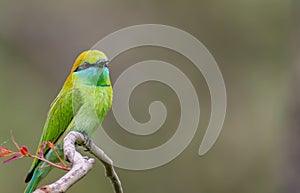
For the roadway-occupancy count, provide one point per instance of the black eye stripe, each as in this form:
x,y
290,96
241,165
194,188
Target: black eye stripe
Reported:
x,y
86,65
83,66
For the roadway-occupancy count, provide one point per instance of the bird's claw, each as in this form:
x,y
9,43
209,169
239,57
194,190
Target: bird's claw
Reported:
x,y
87,142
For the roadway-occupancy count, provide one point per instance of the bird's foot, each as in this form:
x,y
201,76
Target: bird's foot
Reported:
x,y
88,144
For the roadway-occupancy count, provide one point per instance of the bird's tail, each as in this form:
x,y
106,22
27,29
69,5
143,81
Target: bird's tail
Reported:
x,y
31,186
38,172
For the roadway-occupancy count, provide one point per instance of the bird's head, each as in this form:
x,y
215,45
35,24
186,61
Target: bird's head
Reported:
x,y
90,68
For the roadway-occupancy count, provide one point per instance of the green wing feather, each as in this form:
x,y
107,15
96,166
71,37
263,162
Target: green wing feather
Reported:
x,y
59,117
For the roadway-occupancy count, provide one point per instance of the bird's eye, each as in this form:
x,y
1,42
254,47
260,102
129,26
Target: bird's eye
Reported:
x,y
82,67
85,65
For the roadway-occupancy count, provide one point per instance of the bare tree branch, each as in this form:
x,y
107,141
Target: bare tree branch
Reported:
x,y
109,168
81,165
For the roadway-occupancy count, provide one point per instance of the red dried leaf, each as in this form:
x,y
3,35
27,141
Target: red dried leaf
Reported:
x,y
5,152
24,151
12,158
3,149
51,145
41,149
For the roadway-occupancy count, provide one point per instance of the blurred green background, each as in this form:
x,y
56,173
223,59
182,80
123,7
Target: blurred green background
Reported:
x,y
253,42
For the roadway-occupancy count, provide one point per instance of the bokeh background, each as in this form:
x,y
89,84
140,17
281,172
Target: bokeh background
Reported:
x,y
255,43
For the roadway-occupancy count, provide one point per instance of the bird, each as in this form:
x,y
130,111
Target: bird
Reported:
x,y
81,105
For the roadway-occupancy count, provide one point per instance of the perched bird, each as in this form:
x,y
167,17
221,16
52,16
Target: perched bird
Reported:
x,y
81,105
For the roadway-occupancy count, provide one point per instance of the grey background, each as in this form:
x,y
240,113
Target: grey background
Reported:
x,y
252,41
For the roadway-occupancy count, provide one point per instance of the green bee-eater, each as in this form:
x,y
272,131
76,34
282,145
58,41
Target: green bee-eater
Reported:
x,y
81,105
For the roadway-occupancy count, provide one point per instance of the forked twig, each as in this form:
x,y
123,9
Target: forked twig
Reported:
x,y
81,165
